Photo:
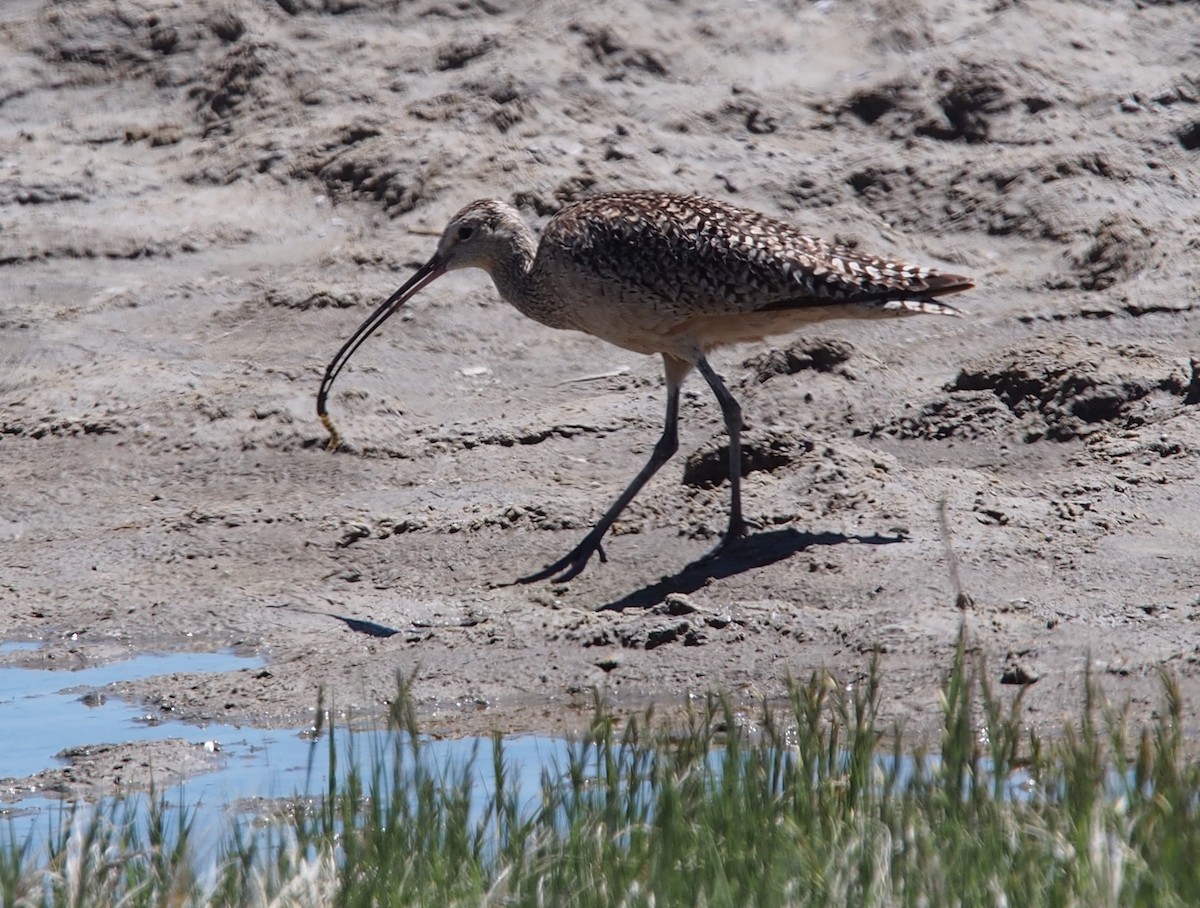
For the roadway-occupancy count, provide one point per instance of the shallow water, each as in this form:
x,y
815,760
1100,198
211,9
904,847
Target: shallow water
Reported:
x,y
43,712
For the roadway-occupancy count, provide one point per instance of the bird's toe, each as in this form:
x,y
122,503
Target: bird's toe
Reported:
x,y
570,565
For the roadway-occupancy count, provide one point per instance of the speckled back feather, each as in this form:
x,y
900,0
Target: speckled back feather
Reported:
x,y
709,257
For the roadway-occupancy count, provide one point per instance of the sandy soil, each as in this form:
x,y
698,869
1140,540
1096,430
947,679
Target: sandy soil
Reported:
x,y
199,201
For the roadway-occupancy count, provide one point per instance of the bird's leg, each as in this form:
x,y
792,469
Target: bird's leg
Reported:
x,y
576,560
733,426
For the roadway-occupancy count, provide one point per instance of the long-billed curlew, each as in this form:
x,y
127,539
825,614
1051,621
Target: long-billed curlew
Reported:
x,y
670,274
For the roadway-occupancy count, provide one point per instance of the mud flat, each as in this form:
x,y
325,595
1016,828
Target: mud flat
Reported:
x,y
199,201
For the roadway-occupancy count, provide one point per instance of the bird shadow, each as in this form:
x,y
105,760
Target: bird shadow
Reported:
x,y
746,554
370,628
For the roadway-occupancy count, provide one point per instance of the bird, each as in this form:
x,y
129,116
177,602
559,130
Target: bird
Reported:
x,y
663,274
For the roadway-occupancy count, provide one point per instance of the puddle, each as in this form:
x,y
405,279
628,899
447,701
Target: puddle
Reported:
x,y
16,646
43,712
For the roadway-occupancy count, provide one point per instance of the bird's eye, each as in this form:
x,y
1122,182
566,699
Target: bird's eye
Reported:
x,y
464,232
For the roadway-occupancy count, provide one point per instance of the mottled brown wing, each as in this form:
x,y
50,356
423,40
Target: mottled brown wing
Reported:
x,y
701,256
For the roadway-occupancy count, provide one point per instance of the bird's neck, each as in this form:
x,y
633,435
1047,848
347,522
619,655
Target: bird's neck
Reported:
x,y
511,269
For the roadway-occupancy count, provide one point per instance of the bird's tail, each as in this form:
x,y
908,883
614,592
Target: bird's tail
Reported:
x,y
938,283
919,306
919,301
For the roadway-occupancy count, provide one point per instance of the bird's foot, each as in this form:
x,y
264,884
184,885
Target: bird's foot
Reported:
x,y
571,564
738,529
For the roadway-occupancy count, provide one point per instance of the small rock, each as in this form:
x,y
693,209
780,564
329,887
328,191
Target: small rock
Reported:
x,y
1019,673
608,663
678,604
666,634
353,532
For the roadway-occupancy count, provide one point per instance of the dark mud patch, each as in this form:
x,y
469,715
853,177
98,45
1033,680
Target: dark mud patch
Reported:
x,y
1065,391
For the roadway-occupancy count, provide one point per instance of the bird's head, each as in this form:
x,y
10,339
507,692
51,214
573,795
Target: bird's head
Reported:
x,y
479,235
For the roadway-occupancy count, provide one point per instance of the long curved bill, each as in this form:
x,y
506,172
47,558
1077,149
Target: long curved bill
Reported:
x,y
430,271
